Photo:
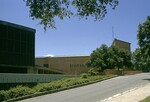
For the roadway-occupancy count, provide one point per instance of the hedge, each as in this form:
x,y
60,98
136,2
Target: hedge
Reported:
x,y
20,91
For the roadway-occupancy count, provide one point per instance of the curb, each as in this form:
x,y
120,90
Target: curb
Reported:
x,y
56,90
124,93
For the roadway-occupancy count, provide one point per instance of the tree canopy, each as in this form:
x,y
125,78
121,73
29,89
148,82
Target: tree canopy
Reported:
x,y
109,58
47,10
136,59
143,37
99,58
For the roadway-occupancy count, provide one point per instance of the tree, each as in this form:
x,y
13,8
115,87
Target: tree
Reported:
x,y
109,57
136,59
47,10
98,58
121,57
143,37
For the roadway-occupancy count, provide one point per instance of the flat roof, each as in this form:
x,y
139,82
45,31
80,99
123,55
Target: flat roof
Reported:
x,y
63,56
17,26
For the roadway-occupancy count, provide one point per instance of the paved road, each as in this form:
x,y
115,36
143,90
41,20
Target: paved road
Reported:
x,y
96,92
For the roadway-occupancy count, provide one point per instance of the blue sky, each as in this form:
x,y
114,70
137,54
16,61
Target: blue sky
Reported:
x,y
80,37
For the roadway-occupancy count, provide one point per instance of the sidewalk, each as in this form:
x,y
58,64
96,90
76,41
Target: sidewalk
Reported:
x,y
134,95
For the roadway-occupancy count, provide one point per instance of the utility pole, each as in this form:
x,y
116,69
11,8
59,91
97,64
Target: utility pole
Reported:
x,y
113,33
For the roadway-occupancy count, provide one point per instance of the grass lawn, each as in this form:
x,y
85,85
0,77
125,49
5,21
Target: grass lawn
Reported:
x,y
146,99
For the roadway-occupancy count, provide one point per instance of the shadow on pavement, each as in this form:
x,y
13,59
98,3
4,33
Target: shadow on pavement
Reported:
x,y
147,79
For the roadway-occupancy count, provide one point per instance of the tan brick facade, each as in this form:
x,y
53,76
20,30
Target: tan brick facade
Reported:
x,y
66,65
121,44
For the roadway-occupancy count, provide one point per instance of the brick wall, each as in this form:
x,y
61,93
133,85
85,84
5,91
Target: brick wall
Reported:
x,y
67,65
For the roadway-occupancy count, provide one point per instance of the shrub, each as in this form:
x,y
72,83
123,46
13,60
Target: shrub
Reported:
x,y
47,86
18,91
73,81
4,95
92,72
43,87
84,75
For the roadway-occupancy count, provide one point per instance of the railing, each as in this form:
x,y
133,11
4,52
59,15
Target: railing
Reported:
x,y
31,78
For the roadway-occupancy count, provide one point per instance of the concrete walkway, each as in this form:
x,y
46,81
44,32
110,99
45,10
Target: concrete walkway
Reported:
x,y
134,95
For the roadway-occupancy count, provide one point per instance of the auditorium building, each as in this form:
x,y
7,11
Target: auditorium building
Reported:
x,y
63,64
71,64
17,48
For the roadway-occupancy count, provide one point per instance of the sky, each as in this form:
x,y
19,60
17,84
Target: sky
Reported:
x,y
80,37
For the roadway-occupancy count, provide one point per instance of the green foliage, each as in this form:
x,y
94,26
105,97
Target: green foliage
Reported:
x,y
92,72
144,43
99,58
84,75
20,91
109,57
47,10
4,95
42,87
136,59
119,57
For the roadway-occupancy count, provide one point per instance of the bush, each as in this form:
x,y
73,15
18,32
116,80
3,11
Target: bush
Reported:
x,y
4,95
18,91
92,72
84,75
47,86
74,81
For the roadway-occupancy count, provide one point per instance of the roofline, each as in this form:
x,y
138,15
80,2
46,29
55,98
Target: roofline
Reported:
x,y
121,41
17,66
71,56
17,26
63,56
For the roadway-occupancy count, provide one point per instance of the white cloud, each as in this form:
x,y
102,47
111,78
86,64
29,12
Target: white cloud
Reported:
x,y
49,55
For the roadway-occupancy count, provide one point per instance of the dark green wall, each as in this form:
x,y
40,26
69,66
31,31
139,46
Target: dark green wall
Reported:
x,y
17,46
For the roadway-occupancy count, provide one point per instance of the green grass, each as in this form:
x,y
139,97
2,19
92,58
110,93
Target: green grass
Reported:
x,y
146,99
21,91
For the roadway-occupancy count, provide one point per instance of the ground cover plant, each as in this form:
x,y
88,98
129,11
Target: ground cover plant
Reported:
x,y
20,91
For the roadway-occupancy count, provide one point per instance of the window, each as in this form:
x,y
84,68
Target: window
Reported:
x,y
46,65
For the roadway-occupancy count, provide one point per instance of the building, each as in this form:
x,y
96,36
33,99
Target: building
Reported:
x,y
122,44
63,64
17,52
70,64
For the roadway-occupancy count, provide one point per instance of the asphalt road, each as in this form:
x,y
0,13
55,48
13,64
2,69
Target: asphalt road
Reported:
x,y
96,92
